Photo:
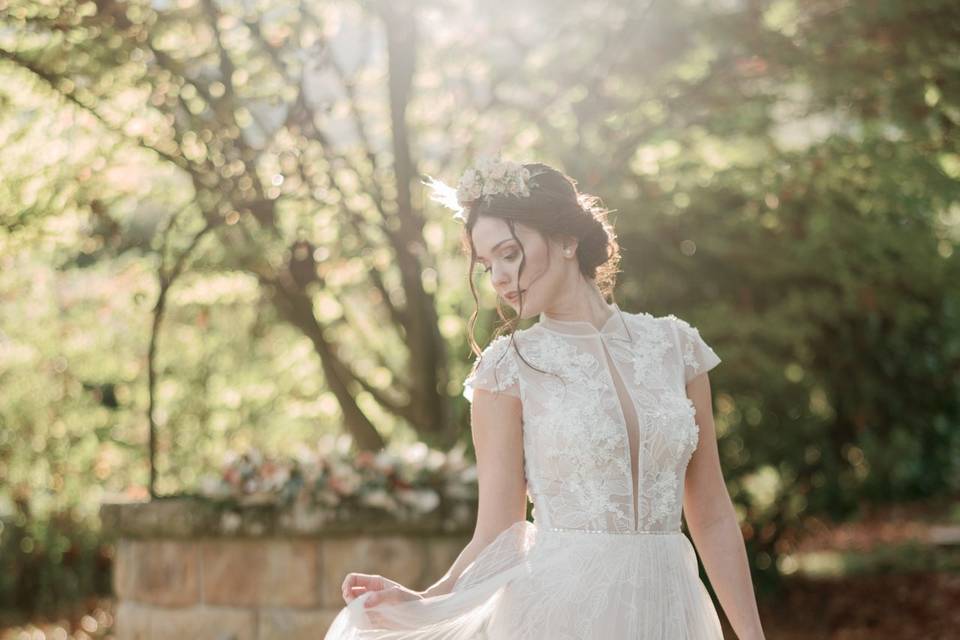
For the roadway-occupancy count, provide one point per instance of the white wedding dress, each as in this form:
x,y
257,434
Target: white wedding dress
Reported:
x,y
605,451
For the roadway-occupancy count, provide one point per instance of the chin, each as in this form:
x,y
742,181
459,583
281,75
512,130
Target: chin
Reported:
x,y
528,311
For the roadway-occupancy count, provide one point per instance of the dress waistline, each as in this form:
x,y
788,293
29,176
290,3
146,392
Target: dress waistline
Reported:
x,y
641,531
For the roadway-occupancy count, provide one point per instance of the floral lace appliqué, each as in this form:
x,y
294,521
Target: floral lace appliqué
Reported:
x,y
582,471
495,368
577,458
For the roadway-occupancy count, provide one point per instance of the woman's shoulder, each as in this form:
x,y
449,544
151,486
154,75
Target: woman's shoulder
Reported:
x,y
682,326
667,326
647,318
667,319
494,368
500,345
497,345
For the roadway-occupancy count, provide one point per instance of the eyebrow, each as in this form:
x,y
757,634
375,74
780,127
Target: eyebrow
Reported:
x,y
494,248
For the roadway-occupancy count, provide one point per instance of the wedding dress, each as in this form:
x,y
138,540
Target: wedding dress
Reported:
x,y
606,444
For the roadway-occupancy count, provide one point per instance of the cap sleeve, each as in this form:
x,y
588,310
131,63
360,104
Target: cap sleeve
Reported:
x,y
698,356
495,369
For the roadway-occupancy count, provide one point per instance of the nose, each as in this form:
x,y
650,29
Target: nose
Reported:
x,y
501,278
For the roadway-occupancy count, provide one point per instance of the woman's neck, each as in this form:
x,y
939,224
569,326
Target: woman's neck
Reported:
x,y
585,304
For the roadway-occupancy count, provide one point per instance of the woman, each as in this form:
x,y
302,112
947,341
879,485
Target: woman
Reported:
x,y
604,419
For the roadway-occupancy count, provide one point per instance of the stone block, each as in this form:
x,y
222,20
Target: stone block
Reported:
x,y
203,623
294,624
124,570
132,621
169,517
441,553
271,572
398,558
162,572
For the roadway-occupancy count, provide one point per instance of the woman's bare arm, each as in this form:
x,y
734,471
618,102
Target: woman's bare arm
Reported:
x,y
712,521
496,425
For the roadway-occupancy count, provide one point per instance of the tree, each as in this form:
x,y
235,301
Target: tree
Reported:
x,y
248,107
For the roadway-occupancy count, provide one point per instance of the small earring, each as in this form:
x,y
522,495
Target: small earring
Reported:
x,y
568,253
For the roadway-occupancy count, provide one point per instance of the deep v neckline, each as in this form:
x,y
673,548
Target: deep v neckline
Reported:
x,y
630,422
613,328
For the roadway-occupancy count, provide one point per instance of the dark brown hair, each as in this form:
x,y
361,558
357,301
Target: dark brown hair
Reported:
x,y
554,208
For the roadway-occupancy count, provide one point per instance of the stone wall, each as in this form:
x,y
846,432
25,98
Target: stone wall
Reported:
x,y
186,568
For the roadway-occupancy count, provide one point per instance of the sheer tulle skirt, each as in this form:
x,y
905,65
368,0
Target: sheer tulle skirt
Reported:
x,y
536,583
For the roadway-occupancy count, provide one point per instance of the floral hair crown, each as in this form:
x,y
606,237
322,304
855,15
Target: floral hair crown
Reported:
x,y
487,177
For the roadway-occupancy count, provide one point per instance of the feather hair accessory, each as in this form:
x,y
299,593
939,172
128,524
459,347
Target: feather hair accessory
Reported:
x,y
488,176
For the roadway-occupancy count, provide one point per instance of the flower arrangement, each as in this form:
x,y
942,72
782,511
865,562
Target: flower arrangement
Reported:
x,y
402,483
487,177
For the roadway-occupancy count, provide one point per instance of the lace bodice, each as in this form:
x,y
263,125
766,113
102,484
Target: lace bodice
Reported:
x,y
606,440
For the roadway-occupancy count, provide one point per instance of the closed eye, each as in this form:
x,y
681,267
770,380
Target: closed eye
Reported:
x,y
510,257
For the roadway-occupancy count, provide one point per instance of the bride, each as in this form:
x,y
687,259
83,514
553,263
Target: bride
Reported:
x,y
603,419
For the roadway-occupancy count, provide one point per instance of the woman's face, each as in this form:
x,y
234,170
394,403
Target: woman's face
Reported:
x,y
545,271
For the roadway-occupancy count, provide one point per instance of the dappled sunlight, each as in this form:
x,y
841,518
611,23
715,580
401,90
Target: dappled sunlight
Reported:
x,y
221,276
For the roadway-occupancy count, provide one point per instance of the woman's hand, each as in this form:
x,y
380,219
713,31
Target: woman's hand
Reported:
x,y
386,590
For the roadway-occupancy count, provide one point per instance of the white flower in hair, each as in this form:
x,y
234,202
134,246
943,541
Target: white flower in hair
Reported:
x,y
488,176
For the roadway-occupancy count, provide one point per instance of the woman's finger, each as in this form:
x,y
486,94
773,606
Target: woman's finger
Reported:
x,y
357,591
357,583
353,586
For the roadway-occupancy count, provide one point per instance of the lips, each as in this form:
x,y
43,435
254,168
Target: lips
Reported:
x,y
512,296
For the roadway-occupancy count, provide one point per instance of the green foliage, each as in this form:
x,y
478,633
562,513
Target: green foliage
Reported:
x,y
49,563
786,176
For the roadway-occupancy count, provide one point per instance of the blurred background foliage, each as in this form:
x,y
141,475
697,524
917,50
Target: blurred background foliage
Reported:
x,y
213,229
